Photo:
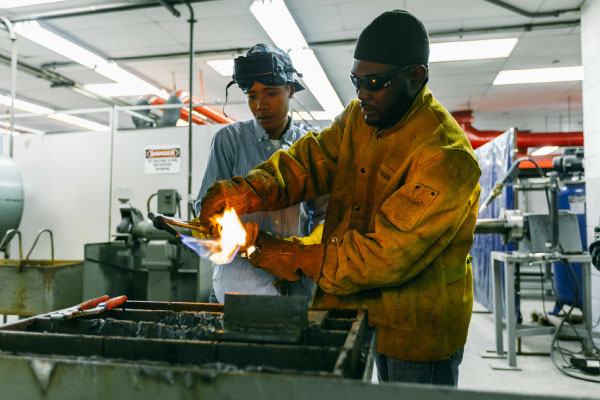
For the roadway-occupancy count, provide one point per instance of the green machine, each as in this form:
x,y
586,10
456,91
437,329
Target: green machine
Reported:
x,y
145,263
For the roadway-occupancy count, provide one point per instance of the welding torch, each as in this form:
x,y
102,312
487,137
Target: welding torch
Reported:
x,y
166,223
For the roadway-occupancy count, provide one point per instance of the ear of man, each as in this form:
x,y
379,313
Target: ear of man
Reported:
x,y
417,77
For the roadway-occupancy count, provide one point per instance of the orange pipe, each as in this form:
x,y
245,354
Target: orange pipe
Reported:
x,y
210,112
524,139
183,114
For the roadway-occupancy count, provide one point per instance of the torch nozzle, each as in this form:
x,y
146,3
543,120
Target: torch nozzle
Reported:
x,y
166,223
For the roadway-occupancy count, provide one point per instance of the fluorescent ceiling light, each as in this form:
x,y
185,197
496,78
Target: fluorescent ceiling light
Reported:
x,y
279,24
223,67
542,151
24,3
50,113
33,31
25,106
539,75
471,50
80,122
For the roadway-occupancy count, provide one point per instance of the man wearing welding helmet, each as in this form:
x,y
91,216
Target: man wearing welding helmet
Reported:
x,y
404,193
266,76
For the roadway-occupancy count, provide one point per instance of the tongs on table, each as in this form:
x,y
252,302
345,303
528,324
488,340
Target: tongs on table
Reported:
x,y
90,307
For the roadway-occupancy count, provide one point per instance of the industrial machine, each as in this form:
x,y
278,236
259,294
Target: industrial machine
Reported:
x,y
556,231
145,263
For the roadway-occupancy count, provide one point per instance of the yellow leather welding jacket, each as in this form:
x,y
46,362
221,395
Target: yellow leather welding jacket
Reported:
x,y
399,226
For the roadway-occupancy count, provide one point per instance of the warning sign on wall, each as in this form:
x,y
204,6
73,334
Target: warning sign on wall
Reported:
x,y
164,159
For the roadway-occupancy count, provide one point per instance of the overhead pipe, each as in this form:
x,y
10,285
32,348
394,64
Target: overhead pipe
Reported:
x,y
341,42
208,114
525,140
525,13
13,81
212,113
100,9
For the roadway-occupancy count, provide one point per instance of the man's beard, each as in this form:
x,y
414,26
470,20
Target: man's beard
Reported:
x,y
395,113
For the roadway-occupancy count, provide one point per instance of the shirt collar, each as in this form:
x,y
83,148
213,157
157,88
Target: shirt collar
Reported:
x,y
287,138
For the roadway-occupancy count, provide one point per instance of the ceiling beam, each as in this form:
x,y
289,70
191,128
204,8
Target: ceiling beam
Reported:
x,y
102,9
342,42
58,80
525,13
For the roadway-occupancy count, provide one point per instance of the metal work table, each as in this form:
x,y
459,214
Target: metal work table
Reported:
x,y
513,329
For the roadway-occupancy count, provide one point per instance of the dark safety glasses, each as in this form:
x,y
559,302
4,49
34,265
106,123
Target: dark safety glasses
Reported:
x,y
374,83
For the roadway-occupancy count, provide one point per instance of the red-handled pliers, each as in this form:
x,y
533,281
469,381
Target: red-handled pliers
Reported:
x,y
100,306
86,305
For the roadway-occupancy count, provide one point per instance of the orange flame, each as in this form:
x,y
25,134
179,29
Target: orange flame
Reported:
x,y
232,238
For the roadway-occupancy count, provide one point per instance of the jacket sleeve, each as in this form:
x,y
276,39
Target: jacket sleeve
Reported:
x,y
221,159
412,227
305,170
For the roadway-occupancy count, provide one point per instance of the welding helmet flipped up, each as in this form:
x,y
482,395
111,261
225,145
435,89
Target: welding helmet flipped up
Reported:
x,y
266,64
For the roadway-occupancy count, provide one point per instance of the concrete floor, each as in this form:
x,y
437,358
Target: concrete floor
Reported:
x,y
537,376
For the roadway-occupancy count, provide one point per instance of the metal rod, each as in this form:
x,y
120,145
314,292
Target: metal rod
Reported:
x,y
37,238
554,189
123,108
55,77
170,7
13,81
113,130
485,225
8,236
525,13
191,109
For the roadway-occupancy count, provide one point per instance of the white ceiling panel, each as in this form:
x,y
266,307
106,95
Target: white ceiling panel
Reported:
x,y
228,24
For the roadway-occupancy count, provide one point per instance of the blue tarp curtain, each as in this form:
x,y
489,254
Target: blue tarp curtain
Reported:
x,y
495,157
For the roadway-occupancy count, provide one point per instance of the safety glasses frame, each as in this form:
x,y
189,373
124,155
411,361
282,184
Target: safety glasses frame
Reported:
x,y
376,82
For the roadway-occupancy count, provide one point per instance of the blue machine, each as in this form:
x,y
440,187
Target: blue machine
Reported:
x,y
572,198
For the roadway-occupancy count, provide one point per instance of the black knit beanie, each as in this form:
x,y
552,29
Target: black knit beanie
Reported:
x,y
396,38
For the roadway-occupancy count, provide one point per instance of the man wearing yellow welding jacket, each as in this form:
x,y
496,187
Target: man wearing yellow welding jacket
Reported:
x,y
404,194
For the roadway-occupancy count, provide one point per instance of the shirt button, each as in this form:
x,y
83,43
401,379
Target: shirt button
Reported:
x,y
334,239
357,208
362,170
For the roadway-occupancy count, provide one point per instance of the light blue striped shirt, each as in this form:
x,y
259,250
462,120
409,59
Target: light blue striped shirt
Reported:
x,y
235,150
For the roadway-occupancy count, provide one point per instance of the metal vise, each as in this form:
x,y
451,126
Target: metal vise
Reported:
x,y
146,263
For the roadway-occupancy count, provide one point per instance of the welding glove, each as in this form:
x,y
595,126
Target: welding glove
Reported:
x,y
251,235
286,259
222,195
